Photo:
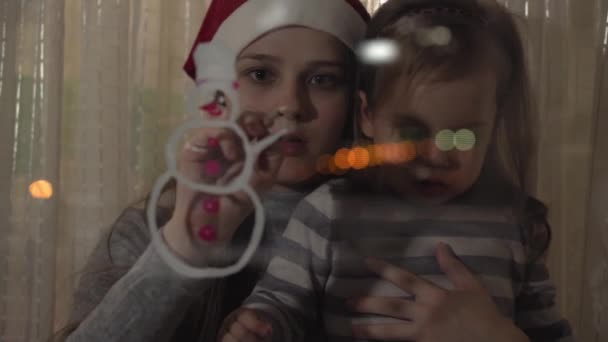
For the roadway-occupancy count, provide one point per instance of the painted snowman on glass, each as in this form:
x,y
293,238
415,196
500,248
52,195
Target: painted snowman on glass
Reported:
x,y
214,104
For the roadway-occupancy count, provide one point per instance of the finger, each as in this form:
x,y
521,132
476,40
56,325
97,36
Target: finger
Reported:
x,y
455,270
385,332
242,334
250,320
403,279
231,146
387,306
270,159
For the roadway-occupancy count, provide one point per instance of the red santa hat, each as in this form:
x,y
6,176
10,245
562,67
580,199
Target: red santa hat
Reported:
x,y
237,23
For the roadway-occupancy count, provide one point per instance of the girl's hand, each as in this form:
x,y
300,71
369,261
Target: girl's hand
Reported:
x,y
244,325
466,313
203,225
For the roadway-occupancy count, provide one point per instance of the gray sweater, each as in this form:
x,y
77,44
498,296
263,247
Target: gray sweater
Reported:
x,y
127,293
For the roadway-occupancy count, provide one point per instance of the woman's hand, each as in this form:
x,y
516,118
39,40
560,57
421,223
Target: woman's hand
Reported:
x,y
202,225
245,325
465,314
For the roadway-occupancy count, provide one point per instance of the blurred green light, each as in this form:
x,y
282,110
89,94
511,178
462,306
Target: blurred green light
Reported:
x,y
445,140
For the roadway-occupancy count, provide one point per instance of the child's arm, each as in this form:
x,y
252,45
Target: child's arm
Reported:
x,y
288,294
536,312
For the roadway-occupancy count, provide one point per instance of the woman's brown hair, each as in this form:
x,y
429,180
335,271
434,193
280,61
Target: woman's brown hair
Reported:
x,y
482,33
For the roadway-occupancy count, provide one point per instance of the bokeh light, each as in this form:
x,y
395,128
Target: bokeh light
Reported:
x,y
358,158
341,159
334,169
464,140
376,155
41,189
378,51
445,140
435,36
440,35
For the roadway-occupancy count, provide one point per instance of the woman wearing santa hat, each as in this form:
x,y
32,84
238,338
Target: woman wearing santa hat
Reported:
x,y
295,58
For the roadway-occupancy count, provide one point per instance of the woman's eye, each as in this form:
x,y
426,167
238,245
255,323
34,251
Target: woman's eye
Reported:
x,y
260,75
325,81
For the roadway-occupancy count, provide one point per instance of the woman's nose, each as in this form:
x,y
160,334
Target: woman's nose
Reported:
x,y
292,102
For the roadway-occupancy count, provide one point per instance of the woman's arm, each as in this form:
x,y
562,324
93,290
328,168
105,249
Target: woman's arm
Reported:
x,y
132,296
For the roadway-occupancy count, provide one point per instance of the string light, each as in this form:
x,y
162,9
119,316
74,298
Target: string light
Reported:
x,y
445,140
341,159
378,51
358,158
464,140
41,189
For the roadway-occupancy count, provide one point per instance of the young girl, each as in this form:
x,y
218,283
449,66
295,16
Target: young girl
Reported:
x,y
459,94
126,292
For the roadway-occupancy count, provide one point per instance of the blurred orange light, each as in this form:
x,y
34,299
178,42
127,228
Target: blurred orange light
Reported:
x,y
334,169
41,189
358,158
407,151
341,159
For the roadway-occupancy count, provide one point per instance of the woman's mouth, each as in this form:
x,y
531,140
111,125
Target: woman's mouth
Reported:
x,y
293,145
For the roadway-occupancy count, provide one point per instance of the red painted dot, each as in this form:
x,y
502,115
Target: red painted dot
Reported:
x,y
212,109
212,168
207,233
211,205
236,84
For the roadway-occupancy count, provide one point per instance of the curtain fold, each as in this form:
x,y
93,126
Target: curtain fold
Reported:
x,y
90,89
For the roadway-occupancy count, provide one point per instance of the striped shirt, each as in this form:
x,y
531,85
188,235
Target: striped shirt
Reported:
x,y
319,262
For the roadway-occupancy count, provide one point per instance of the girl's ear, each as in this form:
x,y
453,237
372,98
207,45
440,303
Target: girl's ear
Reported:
x,y
365,116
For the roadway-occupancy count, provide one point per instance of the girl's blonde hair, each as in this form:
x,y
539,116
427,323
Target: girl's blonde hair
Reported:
x,y
443,40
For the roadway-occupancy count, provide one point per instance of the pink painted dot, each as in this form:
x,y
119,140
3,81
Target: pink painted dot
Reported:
x,y
212,109
212,168
211,205
213,142
236,84
207,233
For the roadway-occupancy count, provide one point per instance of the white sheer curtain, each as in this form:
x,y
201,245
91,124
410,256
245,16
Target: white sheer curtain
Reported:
x,y
89,90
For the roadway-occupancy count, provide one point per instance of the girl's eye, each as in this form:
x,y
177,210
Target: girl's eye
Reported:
x,y
325,81
261,75
415,133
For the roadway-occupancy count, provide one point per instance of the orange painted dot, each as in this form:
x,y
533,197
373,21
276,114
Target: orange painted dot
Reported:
x,y
341,159
41,189
358,158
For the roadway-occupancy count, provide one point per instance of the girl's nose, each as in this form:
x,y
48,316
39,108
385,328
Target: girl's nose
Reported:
x,y
432,155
